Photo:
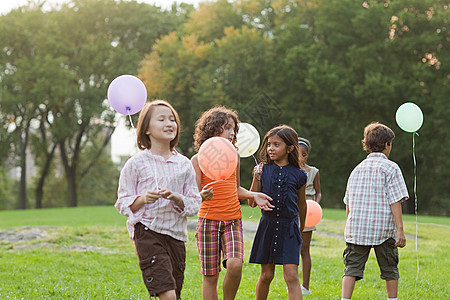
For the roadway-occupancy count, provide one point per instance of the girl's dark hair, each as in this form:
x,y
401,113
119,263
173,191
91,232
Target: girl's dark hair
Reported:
x,y
376,135
211,123
143,140
290,137
304,142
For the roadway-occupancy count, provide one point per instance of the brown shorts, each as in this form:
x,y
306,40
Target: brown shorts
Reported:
x,y
355,258
162,260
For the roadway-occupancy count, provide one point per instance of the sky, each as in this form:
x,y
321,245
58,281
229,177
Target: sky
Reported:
x,y
123,140
7,5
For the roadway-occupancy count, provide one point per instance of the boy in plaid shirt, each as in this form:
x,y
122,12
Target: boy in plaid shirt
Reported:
x,y
375,190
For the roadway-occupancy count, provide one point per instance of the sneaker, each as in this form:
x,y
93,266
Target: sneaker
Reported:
x,y
305,292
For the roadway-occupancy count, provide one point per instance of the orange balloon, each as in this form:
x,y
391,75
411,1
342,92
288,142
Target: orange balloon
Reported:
x,y
217,158
313,213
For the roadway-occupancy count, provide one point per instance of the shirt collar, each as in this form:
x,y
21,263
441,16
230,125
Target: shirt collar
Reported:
x,y
377,154
173,158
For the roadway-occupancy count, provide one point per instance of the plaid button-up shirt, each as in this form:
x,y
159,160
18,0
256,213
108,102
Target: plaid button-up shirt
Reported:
x,y
145,171
372,187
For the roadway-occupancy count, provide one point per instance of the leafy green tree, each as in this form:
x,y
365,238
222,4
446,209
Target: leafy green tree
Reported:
x,y
55,78
354,63
22,31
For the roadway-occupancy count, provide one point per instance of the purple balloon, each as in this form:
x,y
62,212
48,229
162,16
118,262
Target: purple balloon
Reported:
x,y
127,94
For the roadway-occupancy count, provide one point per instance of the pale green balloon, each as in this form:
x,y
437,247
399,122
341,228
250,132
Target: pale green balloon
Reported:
x,y
409,117
247,140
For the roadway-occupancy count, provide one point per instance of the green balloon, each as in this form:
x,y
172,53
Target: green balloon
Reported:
x,y
409,117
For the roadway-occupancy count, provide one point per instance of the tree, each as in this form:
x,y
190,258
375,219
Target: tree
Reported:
x,y
21,34
54,79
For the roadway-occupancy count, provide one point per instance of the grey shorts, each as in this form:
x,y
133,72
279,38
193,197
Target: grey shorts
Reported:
x,y
162,260
355,258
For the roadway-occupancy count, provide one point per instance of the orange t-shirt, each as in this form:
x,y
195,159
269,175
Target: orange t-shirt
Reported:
x,y
224,205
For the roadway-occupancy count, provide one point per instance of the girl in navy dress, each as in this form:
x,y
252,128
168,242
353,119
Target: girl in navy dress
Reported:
x,y
278,239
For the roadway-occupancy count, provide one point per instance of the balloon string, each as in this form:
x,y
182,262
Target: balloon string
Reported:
x,y
256,162
198,228
207,185
131,122
415,207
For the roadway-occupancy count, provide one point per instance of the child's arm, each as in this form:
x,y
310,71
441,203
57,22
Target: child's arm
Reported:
x,y
256,186
396,209
148,197
205,193
260,199
301,203
316,184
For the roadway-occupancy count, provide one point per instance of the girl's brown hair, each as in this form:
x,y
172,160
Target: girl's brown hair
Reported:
x,y
143,140
211,123
304,142
376,135
290,137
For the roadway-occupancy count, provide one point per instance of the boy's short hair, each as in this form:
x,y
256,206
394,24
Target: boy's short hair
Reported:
x,y
376,135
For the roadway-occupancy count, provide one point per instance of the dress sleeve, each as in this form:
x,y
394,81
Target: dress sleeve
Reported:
x,y
301,181
127,191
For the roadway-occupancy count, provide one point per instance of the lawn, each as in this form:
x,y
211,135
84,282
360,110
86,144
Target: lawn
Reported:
x,y
85,253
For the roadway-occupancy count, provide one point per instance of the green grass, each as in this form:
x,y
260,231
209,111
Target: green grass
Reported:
x,y
53,267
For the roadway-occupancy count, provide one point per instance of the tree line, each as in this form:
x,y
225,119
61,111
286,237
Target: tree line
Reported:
x,y
327,68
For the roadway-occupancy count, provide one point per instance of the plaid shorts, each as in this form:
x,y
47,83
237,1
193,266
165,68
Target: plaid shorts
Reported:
x,y
215,237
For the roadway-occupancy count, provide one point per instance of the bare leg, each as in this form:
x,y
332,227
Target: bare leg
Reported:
x,y
232,278
392,288
209,287
168,295
290,272
264,280
348,284
306,258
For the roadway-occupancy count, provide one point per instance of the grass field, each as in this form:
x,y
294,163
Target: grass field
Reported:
x,y
85,253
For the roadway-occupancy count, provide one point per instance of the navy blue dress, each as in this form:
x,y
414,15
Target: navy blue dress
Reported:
x,y
278,238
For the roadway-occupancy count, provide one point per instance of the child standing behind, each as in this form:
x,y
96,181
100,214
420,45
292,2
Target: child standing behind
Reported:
x,y
312,193
157,191
375,190
220,220
278,239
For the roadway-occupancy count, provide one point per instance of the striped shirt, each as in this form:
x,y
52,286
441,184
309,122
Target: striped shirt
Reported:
x,y
372,187
145,171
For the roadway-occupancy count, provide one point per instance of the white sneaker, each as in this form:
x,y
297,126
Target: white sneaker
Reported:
x,y
305,292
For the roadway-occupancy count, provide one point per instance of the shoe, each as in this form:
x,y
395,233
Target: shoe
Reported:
x,y
305,292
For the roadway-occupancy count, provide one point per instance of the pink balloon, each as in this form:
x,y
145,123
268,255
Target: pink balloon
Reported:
x,y
127,94
217,158
313,214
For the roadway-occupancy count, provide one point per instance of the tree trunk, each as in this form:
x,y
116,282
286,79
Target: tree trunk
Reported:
x,y
23,142
70,169
72,200
39,192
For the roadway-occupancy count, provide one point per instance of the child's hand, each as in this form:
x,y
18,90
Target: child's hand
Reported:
x,y
207,193
262,201
168,194
257,171
150,197
401,239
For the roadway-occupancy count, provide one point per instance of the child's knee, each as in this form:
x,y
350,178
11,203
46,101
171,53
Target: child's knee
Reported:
x,y
267,276
291,278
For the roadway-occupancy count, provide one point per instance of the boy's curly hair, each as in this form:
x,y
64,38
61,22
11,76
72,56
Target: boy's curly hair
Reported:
x,y
211,123
376,135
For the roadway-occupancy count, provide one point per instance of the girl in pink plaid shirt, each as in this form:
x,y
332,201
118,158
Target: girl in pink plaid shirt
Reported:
x,y
157,191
